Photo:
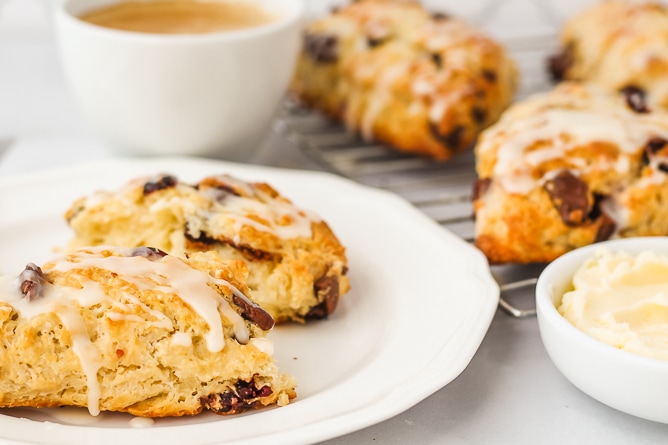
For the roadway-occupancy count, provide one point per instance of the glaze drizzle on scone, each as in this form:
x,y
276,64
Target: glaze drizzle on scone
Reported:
x,y
424,83
620,45
289,250
567,168
108,317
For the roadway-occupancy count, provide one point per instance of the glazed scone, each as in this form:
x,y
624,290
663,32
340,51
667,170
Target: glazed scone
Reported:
x,y
297,265
568,168
137,331
423,83
620,45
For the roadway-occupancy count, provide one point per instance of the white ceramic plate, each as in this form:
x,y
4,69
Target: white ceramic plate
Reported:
x,y
421,302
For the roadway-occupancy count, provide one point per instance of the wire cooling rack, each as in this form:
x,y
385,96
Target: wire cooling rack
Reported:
x,y
441,190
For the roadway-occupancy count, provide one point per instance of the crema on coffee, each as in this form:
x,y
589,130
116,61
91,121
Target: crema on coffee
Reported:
x,y
179,16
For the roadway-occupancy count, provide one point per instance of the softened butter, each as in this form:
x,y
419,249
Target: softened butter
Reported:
x,y
622,299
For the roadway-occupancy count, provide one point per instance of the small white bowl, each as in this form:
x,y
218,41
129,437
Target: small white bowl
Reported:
x,y
625,381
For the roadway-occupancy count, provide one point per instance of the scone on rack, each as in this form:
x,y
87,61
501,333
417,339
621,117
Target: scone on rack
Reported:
x,y
569,168
424,83
137,331
620,45
297,265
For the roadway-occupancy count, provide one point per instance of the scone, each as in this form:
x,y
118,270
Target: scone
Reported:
x,y
137,331
568,168
423,83
297,265
620,45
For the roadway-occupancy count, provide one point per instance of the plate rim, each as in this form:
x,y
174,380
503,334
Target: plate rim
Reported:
x,y
384,407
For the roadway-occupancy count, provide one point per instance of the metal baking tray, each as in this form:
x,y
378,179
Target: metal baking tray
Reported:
x,y
442,190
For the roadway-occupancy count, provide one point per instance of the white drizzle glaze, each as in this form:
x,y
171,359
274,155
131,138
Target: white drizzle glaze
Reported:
x,y
189,284
380,96
141,422
261,204
583,126
263,344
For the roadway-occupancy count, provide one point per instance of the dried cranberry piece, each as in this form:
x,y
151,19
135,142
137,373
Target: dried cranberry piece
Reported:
x,y
635,98
236,400
570,196
160,183
151,253
322,48
32,282
265,391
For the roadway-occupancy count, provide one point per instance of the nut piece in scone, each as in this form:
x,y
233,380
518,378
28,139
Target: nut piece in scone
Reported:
x,y
137,331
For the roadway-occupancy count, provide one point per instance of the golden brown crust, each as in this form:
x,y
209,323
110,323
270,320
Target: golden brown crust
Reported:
x,y
128,326
617,44
569,168
424,83
287,249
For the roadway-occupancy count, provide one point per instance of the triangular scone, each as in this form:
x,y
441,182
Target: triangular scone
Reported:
x,y
138,331
297,265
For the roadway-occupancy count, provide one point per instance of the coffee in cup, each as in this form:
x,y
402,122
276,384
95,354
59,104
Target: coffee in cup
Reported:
x,y
178,16
155,93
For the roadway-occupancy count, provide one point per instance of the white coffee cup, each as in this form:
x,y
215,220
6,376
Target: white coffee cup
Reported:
x,y
176,94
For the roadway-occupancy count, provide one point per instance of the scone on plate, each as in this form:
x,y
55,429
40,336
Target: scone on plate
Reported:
x,y
568,168
137,331
297,265
620,45
424,83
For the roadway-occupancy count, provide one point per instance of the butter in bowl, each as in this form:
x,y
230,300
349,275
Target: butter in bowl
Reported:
x,y
603,318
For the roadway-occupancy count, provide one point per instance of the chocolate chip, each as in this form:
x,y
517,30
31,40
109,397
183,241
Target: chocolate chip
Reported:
x,y
440,16
242,397
151,253
252,312
373,42
635,98
559,64
322,48
326,289
656,148
655,144
32,282
480,187
452,139
605,229
489,75
478,114
570,196
160,183
202,237
437,59
247,251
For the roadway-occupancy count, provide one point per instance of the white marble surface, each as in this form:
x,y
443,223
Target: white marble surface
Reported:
x,y
510,392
